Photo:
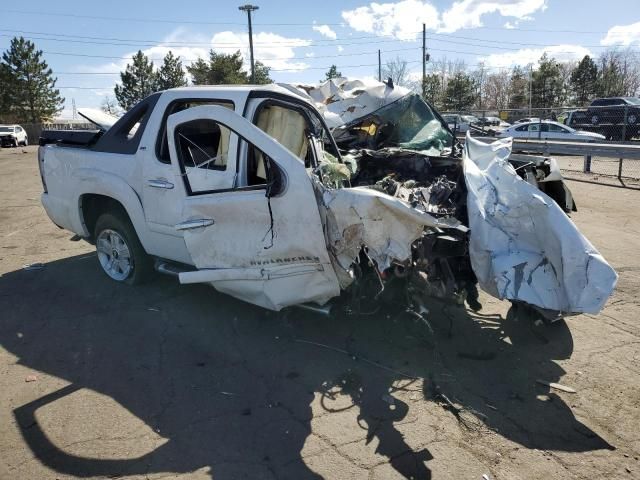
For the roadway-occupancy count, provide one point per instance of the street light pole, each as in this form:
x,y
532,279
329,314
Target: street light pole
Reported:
x,y
250,8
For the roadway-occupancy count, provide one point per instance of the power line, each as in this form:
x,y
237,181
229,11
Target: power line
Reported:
x,y
274,44
138,42
200,22
159,59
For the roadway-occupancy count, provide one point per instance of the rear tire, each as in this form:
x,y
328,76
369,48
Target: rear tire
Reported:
x,y
119,250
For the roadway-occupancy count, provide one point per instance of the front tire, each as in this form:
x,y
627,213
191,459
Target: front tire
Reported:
x,y
26,142
119,250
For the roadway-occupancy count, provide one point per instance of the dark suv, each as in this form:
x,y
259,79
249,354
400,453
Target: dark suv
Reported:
x,y
612,110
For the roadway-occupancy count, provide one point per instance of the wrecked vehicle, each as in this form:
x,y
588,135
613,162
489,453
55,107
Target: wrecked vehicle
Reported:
x,y
246,188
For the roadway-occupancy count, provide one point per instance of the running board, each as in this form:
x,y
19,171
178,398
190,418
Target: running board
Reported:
x,y
321,310
170,268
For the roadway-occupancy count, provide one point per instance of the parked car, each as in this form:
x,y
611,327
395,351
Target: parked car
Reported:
x,y
460,123
13,135
548,130
527,120
612,110
245,188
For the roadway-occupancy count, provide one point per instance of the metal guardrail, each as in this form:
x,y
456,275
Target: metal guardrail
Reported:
x,y
587,150
548,147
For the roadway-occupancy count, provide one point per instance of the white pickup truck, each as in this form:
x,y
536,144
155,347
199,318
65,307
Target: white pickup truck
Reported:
x,y
241,187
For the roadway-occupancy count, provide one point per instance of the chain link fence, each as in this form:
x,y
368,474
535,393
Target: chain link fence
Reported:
x,y
613,122
605,124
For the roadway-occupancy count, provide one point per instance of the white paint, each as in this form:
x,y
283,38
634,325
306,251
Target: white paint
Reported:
x,y
522,246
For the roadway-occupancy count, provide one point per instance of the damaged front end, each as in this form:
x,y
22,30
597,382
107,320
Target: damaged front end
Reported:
x,y
398,208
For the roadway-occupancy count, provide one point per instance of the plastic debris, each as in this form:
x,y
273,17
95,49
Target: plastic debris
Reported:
x,y
557,386
30,378
33,266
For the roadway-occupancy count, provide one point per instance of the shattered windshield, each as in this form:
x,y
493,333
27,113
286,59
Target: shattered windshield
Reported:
x,y
407,123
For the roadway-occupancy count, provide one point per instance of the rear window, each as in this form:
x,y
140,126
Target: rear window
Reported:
x,y
162,144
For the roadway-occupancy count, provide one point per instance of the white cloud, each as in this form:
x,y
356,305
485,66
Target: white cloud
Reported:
x,y
325,31
562,53
468,13
402,20
340,48
271,49
622,35
510,26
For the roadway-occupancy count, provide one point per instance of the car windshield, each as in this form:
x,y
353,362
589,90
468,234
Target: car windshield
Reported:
x,y
6,129
408,122
633,101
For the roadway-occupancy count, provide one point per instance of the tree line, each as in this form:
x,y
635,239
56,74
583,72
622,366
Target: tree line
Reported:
x,y
551,84
140,78
28,90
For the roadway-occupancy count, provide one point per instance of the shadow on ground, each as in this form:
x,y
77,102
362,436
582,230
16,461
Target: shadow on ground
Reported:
x,y
230,385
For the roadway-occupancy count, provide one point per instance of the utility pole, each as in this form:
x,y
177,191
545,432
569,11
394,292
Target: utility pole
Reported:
x,y
379,67
424,60
250,8
530,86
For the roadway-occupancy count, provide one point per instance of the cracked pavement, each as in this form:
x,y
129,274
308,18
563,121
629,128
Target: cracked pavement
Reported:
x,y
170,381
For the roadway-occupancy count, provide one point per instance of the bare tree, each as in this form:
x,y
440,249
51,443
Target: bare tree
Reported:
x,y
110,106
497,91
397,71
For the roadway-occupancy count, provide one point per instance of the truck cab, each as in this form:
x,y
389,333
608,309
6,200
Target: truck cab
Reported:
x,y
184,166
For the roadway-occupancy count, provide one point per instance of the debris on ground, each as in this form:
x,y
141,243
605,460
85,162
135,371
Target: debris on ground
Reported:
x,y
33,266
30,378
557,386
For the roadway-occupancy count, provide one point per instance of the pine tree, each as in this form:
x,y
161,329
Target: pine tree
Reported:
x,y
221,69
262,74
332,73
518,88
139,80
433,89
171,74
546,83
460,93
583,80
28,86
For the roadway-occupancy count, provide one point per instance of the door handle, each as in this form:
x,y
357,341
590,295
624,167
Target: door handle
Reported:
x,y
198,223
157,183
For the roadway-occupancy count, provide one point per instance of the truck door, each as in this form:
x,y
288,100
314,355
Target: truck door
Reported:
x,y
262,241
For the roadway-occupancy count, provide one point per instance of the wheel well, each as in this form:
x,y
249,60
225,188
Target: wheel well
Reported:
x,y
93,205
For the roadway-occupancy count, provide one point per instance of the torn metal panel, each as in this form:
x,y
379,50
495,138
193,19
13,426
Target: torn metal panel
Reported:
x,y
342,100
386,226
522,245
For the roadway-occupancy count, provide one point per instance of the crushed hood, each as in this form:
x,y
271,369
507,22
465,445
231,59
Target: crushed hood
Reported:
x,y
370,114
522,245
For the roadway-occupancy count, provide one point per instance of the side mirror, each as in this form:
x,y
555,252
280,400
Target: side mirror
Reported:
x,y
276,180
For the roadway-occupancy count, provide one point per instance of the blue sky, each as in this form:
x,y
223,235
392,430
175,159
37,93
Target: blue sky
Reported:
x,y
85,43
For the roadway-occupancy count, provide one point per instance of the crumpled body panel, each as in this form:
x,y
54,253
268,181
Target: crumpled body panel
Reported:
x,y
388,226
522,245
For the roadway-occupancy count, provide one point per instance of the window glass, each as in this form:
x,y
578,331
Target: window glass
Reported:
x,y
257,167
287,126
162,147
534,127
523,128
203,147
557,128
